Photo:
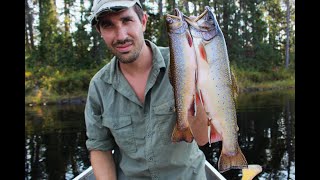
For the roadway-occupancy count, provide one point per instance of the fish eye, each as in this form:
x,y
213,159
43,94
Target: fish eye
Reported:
x,y
169,20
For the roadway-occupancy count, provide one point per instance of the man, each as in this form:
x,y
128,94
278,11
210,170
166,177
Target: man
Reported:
x,y
130,104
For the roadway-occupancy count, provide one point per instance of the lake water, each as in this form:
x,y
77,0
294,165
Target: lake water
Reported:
x,y
55,138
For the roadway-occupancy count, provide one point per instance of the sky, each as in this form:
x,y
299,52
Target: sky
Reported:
x,y
76,15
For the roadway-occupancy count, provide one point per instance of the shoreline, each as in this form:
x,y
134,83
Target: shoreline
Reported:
x,y
82,99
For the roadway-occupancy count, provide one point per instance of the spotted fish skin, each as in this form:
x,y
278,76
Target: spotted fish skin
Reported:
x,y
215,87
182,74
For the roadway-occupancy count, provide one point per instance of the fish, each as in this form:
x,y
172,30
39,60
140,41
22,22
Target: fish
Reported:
x,y
215,88
182,74
252,171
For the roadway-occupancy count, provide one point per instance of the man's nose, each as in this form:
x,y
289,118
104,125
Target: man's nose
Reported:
x,y
121,33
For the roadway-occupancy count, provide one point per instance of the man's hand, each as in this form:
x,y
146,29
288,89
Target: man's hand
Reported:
x,y
199,125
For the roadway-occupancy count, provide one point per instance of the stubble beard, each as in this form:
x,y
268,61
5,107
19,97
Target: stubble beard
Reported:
x,y
128,57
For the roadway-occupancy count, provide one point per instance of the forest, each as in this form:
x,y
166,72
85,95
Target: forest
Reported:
x,y
63,51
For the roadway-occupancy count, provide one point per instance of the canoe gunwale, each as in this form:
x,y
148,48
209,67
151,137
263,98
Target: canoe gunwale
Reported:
x,y
211,173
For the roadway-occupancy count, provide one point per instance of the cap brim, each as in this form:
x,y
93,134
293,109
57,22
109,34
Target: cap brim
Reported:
x,y
111,6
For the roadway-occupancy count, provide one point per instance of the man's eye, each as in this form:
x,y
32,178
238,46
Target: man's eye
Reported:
x,y
126,20
105,25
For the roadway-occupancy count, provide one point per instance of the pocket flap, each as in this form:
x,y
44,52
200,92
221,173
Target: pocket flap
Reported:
x,y
116,122
165,108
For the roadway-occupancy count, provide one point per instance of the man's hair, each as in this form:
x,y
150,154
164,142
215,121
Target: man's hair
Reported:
x,y
136,8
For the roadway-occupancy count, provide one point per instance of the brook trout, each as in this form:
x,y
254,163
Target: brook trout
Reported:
x,y
182,74
215,88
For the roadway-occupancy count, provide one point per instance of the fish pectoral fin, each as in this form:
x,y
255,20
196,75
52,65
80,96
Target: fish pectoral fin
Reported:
x,y
203,53
182,135
200,97
236,161
252,171
215,136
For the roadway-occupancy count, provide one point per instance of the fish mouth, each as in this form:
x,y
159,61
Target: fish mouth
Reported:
x,y
178,13
172,18
203,26
176,17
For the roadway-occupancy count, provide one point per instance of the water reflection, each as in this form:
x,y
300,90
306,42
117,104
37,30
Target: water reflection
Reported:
x,y
266,136
55,138
55,142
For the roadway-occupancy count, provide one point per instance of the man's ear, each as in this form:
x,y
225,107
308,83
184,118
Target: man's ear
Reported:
x,y
97,28
144,21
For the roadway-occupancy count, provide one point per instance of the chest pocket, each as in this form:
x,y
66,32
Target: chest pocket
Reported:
x,y
165,108
122,131
166,119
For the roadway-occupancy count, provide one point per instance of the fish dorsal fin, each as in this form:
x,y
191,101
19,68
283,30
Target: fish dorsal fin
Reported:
x,y
235,87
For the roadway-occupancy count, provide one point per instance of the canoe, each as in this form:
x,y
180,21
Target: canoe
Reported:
x,y
211,173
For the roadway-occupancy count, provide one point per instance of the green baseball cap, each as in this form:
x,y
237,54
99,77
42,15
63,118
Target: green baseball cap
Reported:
x,y
100,6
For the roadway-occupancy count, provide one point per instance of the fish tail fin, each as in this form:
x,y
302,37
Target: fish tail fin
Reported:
x,y
182,135
252,171
227,162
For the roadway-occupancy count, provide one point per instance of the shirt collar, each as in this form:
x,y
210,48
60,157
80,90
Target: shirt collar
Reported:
x,y
157,57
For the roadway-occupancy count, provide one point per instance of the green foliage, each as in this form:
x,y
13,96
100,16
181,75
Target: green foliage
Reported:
x,y
163,40
62,62
251,77
71,82
50,82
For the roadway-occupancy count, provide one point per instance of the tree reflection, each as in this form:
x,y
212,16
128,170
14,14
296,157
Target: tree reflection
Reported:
x,y
266,134
55,143
290,139
55,138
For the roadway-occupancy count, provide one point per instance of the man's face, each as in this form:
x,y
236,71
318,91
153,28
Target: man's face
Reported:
x,y
123,34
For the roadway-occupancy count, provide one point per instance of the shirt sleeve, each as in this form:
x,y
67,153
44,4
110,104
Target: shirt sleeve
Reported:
x,y
99,136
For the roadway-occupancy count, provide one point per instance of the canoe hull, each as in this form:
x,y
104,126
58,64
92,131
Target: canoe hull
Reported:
x,y
211,173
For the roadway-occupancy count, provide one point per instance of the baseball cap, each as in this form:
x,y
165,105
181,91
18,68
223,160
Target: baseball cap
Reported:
x,y
100,6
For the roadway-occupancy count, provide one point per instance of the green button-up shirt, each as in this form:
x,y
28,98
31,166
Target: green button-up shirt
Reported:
x,y
140,132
